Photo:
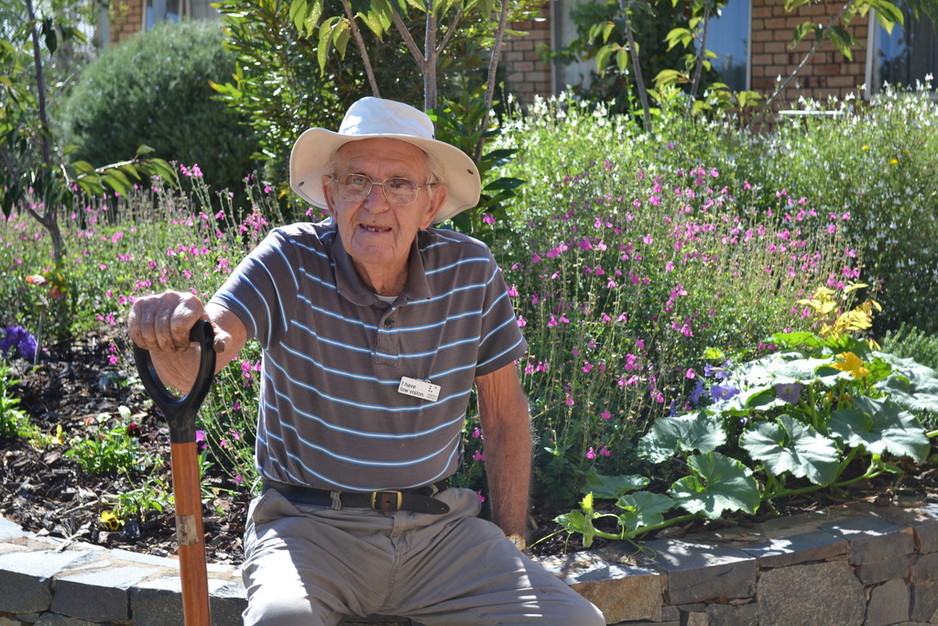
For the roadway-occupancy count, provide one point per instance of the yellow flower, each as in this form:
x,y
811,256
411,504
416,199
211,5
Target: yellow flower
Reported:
x,y
110,520
894,161
866,147
849,362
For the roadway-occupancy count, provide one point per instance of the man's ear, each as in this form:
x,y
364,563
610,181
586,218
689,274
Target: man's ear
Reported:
x,y
327,190
438,194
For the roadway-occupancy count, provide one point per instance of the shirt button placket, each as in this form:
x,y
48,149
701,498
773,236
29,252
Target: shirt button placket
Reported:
x,y
388,340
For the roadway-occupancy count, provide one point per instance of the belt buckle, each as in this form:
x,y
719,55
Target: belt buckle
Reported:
x,y
382,500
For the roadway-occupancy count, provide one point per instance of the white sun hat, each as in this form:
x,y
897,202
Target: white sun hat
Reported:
x,y
371,118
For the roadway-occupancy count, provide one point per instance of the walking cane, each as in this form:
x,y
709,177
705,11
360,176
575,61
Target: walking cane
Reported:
x,y
180,413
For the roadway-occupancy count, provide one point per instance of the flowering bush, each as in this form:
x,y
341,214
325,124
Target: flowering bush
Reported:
x,y
632,277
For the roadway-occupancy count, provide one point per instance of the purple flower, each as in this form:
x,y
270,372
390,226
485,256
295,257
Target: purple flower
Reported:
x,y
24,341
723,392
697,392
716,372
790,393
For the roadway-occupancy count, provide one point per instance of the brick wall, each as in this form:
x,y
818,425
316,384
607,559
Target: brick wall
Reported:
x,y
126,19
827,73
526,74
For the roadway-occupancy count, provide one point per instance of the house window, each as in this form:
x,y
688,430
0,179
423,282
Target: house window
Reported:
x,y
728,36
906,55
173,10
163,11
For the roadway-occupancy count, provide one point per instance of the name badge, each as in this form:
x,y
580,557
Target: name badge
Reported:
x,y
423,389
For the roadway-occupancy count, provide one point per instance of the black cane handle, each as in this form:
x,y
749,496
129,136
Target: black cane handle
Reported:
x,y
180,412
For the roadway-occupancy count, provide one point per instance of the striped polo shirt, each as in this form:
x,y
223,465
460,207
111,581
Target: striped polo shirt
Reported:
x,y
334,355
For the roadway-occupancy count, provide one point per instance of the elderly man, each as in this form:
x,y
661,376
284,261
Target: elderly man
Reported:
x,y
374,328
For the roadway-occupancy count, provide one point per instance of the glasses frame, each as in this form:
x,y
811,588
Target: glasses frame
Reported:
x,y
384,189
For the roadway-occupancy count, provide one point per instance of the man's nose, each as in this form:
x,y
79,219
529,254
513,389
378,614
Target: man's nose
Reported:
x,y
376,199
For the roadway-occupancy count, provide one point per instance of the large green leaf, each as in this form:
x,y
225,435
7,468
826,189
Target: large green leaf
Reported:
x,y
912,386
696,431
790,446
880,426
717,484
611,487
643,509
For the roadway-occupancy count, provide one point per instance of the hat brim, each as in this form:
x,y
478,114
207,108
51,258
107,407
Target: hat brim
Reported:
x,y
314,149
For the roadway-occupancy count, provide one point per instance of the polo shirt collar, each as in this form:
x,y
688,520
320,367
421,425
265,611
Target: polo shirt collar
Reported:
x,y
351,287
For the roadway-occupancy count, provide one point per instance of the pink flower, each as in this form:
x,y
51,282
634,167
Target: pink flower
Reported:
x,y
605,415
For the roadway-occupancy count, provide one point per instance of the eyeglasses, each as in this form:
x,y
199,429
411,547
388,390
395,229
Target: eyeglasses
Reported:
x,y
397,190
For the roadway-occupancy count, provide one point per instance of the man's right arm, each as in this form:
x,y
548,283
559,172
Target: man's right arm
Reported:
x,y
161,324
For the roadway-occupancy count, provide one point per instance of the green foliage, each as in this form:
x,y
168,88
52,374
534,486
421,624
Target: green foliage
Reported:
x,y
907,341
800,419
276,84
14,422
600,35
153,495
154,89
109,448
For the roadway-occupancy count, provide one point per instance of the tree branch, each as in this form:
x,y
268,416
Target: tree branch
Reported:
x,y
362,50
490,84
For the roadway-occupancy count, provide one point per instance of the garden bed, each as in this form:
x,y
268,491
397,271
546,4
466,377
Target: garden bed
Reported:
x,y
48,493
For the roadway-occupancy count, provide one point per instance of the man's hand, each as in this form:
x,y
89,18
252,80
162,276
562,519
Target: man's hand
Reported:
x,y
161,324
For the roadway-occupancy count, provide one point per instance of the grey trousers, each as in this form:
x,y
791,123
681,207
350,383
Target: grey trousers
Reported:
x,y
310,565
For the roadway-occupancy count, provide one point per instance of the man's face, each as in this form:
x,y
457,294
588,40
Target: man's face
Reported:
x,y
376,234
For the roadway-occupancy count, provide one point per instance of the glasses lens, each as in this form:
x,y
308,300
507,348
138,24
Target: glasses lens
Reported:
x,y
400,190
357,187
354,187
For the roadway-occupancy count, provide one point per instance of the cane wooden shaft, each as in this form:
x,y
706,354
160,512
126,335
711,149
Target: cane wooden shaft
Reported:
x,y
190,534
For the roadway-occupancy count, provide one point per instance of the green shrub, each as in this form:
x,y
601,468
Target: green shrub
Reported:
x,y
154,89
908,342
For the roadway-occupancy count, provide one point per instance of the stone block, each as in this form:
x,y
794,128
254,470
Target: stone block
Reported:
x,y
10,530
881,571
923,519
228,603
872,539
621,592
924,601
699,571
157,602
804,548
925,568
696,619
100,595
730,615
889,604
817,593
26,578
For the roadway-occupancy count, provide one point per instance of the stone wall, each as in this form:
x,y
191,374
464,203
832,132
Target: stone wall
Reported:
x,y
847,565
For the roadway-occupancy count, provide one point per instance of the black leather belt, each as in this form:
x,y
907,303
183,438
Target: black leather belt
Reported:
x,y
418,500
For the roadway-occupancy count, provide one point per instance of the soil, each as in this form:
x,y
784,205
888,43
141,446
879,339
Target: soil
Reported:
x,y
47,493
